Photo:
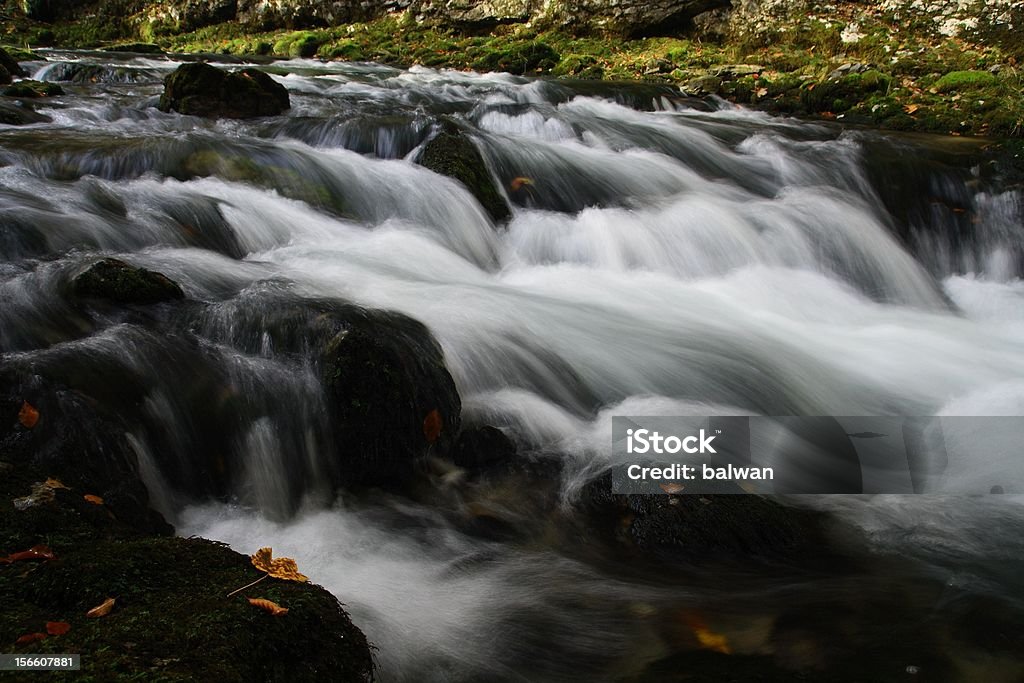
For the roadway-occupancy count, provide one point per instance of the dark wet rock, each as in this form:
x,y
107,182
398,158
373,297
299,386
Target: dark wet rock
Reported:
x,y
86,74
5,76
478,448
199,89
453,154
13,114
10,65
33,89
76,441
695,528
392,400
123,283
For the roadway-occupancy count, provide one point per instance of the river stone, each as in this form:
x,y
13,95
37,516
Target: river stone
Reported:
x,y
483,447
199,89
122,283
14,114
453,154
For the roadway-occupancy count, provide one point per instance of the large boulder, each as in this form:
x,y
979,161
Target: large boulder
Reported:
x,y
33,90
16,114
306,13
122,283
199,89
453,154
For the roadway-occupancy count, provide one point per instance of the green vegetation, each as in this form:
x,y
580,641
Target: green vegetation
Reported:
x,y
902,79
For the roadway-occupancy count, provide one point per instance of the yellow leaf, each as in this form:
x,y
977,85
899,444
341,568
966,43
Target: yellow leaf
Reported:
x,y
266,605
280,568
102,609
55,484
911,108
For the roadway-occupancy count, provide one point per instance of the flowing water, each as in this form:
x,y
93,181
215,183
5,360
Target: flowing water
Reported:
x,y
667,256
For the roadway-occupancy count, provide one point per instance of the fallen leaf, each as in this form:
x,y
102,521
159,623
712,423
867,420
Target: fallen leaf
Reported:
x,y
54,484
911,108
279,568
30,638
671,488
95,500
36,552
266,605
28,416
57,628
432,426
102,609
518,183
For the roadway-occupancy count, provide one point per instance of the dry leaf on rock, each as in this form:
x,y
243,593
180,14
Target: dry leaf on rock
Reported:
x,y
432,425
57,628
280,568
95,500
30,638
268,606
28,416
36,552
102,609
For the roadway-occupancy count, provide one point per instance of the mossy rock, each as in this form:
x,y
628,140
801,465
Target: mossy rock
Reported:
x,y
522,58
171,619
964,80
202,90
120,282
579,66
346,50
302,44
10,65
453,154
33,89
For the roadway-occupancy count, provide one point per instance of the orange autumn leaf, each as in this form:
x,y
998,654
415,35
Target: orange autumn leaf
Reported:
x,y
432,425
57,628
102,609
36,552
671,488
95,500
708,639
266,605
911,108
280,567
518,183
28,416
54,484
30,638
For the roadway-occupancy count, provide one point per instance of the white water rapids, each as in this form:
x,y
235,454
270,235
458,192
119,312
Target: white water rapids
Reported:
x,y
664,261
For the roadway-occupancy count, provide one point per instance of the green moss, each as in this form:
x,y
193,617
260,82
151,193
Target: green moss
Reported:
x,y
519,58
964,80
300,44
33,89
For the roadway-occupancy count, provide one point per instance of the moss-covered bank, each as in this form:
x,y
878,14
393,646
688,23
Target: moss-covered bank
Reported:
x,y
854,62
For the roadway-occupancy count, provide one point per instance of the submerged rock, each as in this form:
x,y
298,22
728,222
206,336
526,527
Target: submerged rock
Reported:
x,y
13,114
136,48
453,154
202,90
123,283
